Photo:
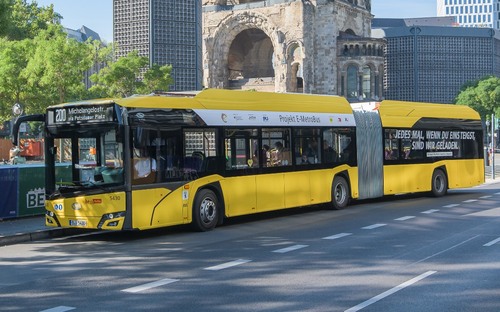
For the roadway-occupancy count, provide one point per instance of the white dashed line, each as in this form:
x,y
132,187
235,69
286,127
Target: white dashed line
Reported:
x,y
336,236
374,226
451,206
470,201
493,242
404,218
430,211
390,292
497,193
291,248
59,309
487,196
227,265
147,286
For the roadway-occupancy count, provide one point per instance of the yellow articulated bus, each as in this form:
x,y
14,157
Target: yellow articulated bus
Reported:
x,y
145,162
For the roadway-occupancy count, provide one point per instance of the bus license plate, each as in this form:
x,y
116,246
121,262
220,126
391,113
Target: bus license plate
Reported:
x,y
77,223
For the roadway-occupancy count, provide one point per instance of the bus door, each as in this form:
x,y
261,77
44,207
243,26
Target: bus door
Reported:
x,y
242,163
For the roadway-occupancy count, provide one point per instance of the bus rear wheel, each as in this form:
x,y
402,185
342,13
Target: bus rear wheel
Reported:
x,y
439,183
340,193
205,211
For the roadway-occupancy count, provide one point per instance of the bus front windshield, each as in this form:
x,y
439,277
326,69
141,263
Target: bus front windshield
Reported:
x,y
88,160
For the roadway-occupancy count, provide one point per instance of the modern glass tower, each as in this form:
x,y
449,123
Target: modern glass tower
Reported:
x,y
471,13
167,32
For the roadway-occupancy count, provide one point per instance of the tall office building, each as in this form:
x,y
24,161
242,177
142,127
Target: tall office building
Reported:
x,y
471,13
432,63
168,32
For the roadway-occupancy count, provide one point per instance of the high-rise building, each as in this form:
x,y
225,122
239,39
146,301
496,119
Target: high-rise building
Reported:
x,y
168,32
432,63
471,13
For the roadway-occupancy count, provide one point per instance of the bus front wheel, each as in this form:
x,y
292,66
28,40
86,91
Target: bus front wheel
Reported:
x,y
340,193
439,183
205,211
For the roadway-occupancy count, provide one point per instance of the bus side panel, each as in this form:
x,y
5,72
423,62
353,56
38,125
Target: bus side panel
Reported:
x,y
239,195
152,208
465,173
297,189
407,178
270,192
321,186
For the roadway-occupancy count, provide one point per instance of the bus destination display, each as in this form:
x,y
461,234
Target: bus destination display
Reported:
x,y
81,114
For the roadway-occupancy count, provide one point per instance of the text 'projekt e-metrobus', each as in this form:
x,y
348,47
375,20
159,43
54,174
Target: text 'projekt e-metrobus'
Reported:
x,y
152,161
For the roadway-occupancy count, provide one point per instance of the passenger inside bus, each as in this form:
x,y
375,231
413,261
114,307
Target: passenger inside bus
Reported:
x,y
144,166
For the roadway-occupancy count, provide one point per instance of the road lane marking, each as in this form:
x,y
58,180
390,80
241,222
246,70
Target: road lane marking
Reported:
x,y
430,211
404,218
390,292
487,196
59,309
493,242
291,248
147,286
374,226
494,212
336,236
227,265
451,206
448,249
497,193
470,201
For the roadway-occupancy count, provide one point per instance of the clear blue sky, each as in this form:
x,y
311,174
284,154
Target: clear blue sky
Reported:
x,y
98,14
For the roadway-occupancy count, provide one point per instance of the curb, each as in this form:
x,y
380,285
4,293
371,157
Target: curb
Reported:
x,y
38,235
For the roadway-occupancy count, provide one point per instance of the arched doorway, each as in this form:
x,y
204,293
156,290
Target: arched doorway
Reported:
x,y
250,56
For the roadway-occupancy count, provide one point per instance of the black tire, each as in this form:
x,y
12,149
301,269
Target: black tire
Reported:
x,y
205,211
439,183
340,193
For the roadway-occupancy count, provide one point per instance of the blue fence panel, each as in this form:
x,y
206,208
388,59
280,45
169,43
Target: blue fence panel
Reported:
x,y
8,192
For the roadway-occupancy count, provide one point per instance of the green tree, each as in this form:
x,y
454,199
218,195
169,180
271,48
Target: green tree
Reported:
x,y
20,19
157,78
483,95
119,79
57,67
14,56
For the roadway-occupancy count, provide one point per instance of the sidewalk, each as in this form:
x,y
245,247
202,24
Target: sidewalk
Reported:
x,y
20,230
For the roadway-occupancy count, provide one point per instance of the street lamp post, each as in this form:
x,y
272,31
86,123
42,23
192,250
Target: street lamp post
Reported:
x,y
493,146
487,148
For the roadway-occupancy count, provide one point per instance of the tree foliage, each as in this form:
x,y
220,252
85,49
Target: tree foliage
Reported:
x,y
14,56
20,19
41,66
483,95
121,78
58,65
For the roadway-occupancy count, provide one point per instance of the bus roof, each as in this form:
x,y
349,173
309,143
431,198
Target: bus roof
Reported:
x,y
406,114
218,99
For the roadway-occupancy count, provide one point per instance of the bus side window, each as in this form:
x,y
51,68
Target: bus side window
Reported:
x,y
391,146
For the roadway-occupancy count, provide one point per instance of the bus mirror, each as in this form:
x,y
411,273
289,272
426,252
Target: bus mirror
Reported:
x,y
19,121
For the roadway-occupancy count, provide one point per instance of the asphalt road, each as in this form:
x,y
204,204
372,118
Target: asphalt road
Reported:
x,y
411,253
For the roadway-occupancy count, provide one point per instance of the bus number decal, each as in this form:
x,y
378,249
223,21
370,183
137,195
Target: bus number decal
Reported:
x,y
114,197
60,115
58,207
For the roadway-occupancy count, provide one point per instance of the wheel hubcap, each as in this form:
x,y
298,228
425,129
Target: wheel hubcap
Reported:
x,y
207,210
339,193
439,184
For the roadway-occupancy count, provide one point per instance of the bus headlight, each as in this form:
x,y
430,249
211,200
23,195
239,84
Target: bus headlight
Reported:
x,y
110,216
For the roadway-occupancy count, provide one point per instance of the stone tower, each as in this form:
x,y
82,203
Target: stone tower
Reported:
x,y
315,46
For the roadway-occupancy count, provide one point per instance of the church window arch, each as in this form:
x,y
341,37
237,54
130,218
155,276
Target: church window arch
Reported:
x,y
352,81
367,76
